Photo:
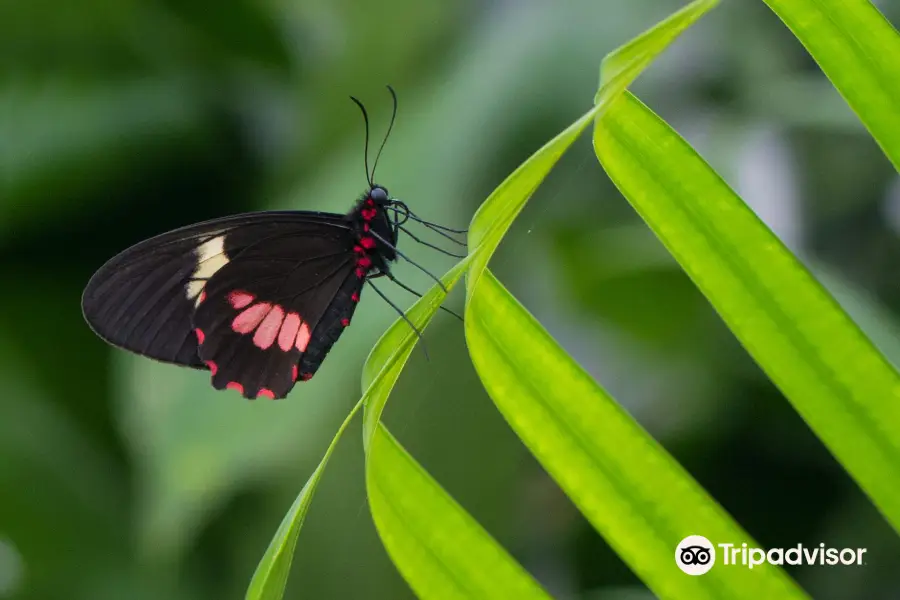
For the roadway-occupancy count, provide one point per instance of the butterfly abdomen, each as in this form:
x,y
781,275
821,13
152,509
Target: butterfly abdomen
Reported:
x,y
329,330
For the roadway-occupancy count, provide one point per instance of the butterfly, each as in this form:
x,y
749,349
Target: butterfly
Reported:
x,y
258,299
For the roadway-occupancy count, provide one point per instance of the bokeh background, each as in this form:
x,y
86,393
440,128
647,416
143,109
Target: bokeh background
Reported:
x,y
124,479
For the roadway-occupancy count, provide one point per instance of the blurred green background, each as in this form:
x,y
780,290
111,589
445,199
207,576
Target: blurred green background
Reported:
x,y
120,119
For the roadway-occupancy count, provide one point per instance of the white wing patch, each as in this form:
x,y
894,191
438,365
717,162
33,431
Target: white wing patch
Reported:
x,y
210,258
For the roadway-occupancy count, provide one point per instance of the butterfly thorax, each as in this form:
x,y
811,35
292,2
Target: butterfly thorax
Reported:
x,y
376,235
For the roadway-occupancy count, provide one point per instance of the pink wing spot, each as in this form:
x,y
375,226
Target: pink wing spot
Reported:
x,y
367,242
369,213
200,335
265,393
345,322
359,249
239,298
303,337
250,318
365,262
365,227
370,202
234,385
360,272
213,367
289,330
306,376
202,297
355,297
294,373
268,330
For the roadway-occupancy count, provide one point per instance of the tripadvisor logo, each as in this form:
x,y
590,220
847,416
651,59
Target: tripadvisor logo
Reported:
x,y
696,555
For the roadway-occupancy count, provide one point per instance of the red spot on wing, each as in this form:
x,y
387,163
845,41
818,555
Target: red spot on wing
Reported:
x,y
234,385
213,367
354,297
265,393
365,227
200,335
239,298
365,262
360,272
268,330
294,373
250,318
306,376
369,213
202,297
359,249
367,242
289,329
303,335
345,322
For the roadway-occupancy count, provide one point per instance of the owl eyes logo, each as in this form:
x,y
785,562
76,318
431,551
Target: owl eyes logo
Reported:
x,y
695,555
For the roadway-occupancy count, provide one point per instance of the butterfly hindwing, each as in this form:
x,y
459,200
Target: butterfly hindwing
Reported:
x,y
143,299
271,305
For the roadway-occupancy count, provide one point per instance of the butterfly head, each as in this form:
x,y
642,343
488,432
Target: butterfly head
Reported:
x,y
379,195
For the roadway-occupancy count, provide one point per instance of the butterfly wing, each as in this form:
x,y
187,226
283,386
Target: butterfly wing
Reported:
x,y
144,299
270,312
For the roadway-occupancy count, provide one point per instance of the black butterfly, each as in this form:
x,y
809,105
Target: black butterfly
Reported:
x,y
258,299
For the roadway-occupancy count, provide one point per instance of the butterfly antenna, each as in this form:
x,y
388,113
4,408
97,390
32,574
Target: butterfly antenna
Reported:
x,y
415,293
386,135
366,155
424,243
409,260
402,316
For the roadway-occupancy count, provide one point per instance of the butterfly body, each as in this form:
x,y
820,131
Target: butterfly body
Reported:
x,y
258,299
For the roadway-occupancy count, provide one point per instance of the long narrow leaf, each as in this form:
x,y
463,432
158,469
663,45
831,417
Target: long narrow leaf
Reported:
x,y
858,50
836,379
438,548
270,578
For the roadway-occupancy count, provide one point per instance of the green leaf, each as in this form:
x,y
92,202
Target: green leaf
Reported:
x,y
622,66
270,578
829,370
440,550
857,48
